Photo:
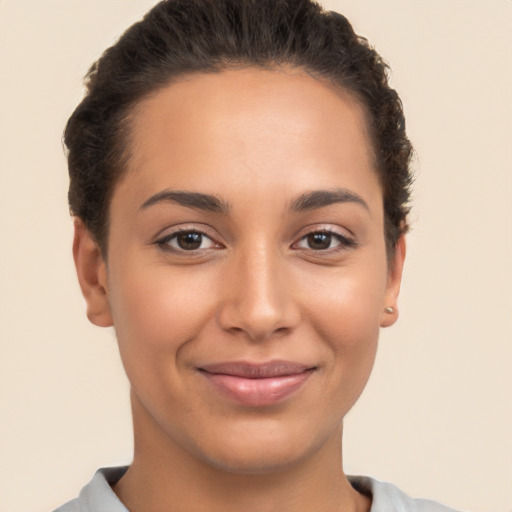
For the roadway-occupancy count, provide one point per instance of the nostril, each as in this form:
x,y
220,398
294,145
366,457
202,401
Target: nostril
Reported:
x,y
257,313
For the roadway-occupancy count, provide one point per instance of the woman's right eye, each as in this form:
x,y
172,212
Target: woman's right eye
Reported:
x,y
187,241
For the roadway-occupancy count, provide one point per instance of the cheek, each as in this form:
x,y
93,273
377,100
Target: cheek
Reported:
x,y
157,310
157,314
345,313
349,324
347,306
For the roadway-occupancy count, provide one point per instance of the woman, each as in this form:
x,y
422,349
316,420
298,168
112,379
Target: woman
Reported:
x,y
240,184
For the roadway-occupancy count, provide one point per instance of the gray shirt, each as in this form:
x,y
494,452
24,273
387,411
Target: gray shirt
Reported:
x,y
98,496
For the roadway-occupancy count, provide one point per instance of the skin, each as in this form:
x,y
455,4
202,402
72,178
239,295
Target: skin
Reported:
x,y
257,289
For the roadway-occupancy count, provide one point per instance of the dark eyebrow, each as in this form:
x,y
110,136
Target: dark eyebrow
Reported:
x,y
321,198
189,199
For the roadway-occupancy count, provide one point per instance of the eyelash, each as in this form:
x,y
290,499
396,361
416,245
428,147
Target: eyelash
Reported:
x,y
344,242
164,244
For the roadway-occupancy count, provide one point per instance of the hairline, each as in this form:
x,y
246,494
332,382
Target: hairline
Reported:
x,y
128,115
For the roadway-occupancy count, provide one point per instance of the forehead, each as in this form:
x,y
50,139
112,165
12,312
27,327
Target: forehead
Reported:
x,y
249,125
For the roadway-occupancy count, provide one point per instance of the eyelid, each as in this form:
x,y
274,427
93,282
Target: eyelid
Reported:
x,y
185,227
345,241
167,234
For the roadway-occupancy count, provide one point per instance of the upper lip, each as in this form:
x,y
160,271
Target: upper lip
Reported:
x,y
248,370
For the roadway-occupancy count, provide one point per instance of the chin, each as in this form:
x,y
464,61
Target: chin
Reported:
x,y
262,449
261,461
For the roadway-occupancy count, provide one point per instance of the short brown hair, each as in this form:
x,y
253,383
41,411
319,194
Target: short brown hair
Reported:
x,y
179,37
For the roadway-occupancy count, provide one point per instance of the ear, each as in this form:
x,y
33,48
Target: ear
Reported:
x,y
396,265
91,270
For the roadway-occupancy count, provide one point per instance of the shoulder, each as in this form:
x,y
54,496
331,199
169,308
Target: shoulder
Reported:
x,y
388,498
97,495
70,506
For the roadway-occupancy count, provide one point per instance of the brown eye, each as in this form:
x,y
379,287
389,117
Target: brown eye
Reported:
x,y
319,241
327,241
189,241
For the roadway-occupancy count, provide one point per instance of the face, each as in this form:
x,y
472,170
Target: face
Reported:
x,y
247,274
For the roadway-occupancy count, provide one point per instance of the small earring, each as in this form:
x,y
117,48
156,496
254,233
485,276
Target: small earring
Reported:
x,y
389,309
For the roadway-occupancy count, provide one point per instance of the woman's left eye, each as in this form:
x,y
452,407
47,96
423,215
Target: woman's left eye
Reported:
x,y
184,241
323,241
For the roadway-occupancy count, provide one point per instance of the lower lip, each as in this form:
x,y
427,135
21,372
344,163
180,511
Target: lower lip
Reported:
x,y
257,392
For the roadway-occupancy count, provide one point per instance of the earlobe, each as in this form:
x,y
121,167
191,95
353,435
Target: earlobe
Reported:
x,y
92,275
390,308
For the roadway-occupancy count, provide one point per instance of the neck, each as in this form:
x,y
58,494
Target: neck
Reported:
x,y
165,476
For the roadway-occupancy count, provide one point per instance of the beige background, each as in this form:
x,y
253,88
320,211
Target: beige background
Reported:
x,y
436,418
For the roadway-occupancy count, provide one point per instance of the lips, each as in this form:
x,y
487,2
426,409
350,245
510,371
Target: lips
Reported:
x,y
257,384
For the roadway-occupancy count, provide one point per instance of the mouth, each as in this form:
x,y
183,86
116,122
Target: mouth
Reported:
x,y
257,385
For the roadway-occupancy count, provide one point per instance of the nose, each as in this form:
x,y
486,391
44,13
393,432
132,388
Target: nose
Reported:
x,y
259,297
